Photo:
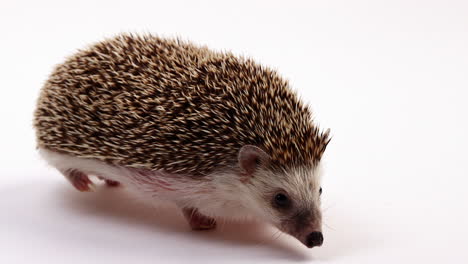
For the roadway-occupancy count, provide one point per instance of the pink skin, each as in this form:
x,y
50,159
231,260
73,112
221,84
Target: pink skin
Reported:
x,y
147,177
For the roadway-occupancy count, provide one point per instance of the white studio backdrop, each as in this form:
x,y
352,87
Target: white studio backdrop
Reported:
x,y
388,77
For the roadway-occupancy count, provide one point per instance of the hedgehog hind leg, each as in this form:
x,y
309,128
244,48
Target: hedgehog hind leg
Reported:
x,y
77,170
81,181
78,179
198,221
110,183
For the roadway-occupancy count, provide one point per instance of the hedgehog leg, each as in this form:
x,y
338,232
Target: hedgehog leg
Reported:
x,y
112,183
109,183
198,221
78,179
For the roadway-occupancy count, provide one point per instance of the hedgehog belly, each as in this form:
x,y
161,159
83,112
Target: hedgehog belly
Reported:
x,y
185,192
168,186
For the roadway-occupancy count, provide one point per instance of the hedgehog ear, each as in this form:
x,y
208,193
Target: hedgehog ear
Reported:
x,y
251,158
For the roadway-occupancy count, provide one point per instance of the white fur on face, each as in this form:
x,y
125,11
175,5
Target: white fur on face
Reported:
x,y
302,186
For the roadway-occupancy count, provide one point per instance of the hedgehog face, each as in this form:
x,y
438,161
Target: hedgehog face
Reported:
x,y
289,199
296,205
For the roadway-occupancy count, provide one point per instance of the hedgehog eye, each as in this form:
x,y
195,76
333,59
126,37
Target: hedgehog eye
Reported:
x,y
281,200
320,191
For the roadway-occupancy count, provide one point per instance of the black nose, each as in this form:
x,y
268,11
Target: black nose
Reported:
x,y
314,239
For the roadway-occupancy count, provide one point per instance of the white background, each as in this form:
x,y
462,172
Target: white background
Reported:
x,y
389,78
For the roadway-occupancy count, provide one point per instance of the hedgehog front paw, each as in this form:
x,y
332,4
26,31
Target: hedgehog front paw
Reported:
x,y
198,221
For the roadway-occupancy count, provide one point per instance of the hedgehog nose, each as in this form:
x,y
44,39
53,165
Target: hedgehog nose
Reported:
x,y
314,239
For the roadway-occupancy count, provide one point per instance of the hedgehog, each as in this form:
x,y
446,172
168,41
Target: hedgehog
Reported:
x,y
218,135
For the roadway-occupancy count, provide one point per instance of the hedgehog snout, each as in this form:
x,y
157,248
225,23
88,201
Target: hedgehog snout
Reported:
x,y
314,239
306,227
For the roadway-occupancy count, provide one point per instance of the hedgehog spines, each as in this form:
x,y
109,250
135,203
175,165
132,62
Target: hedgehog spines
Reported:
x,y
166,104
